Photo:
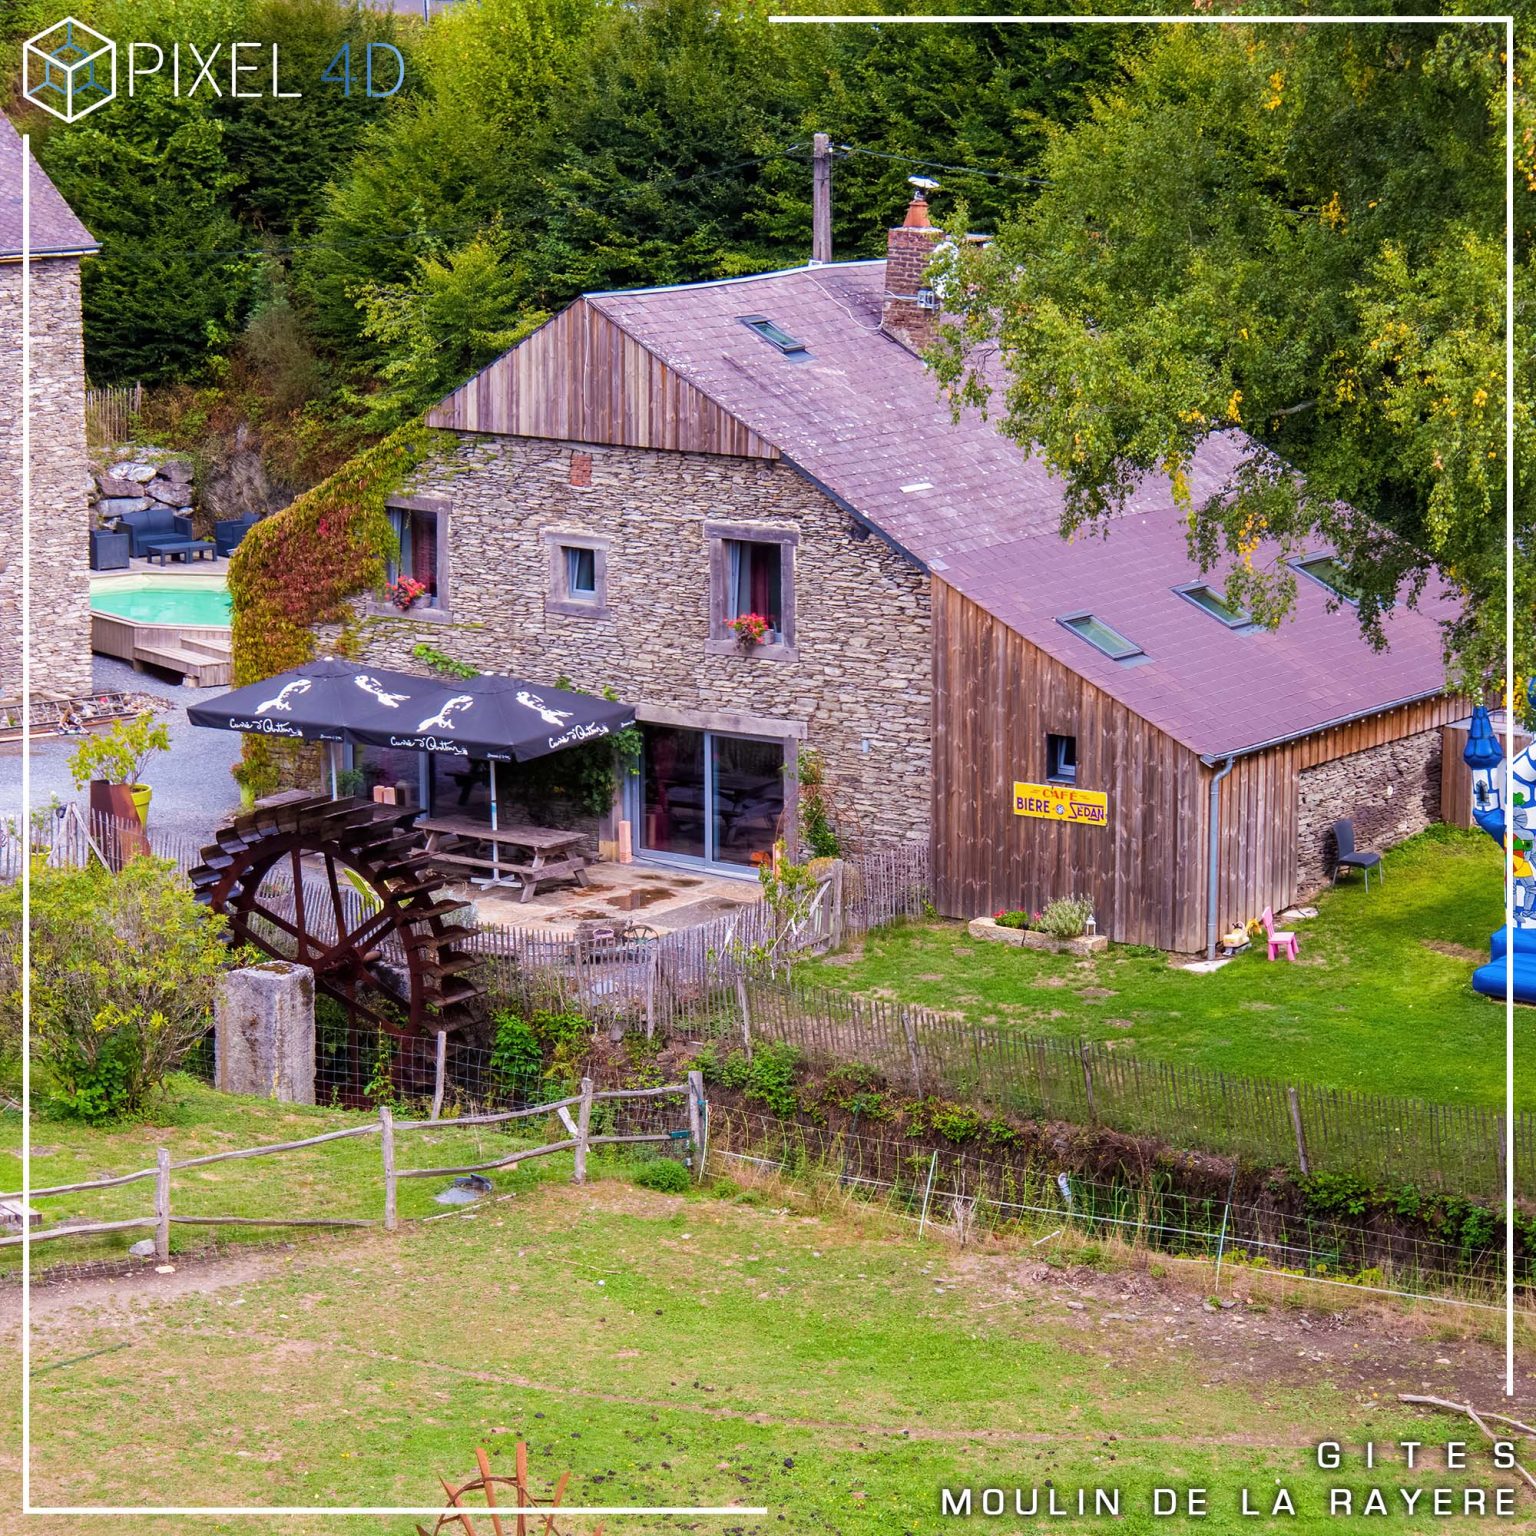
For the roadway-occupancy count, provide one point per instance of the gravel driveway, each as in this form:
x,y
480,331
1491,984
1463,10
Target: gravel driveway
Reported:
x,y
193,789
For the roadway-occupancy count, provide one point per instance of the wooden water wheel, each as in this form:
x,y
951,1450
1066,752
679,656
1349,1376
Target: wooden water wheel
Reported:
x,y
347,888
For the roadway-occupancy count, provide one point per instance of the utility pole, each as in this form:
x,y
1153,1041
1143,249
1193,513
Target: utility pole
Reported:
x,y
821,200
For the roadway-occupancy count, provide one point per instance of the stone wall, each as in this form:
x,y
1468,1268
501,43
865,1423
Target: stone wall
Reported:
x,y
61,638
1390,792
857,686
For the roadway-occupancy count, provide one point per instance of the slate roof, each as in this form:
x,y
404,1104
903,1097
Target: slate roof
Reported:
x,y
55,229
860,414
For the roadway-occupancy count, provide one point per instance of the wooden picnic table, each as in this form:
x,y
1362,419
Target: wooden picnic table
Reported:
x,y
539,854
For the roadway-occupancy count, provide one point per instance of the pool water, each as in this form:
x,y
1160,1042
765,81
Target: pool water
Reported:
x,y
166,602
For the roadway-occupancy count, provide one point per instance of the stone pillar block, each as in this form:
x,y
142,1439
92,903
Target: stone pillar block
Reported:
x,y
264,1032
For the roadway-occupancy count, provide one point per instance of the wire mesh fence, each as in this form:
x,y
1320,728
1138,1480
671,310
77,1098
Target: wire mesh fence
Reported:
x,y
709,981
965,1194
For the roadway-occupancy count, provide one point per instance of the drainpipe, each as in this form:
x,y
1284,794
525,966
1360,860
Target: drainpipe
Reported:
x,y
1213,822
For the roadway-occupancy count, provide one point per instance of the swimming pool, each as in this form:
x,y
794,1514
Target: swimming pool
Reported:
x,y
146,600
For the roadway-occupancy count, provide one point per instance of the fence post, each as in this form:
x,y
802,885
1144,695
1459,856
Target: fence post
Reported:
x,y
911,1033
746,1020
1082,1054
583,1123
1301,1136
441,1073
387,1147
696,1122
1499,1151
933,1163
162,1203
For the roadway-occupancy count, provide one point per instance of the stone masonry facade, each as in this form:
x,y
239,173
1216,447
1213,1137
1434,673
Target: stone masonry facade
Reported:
x,y
61,634
855,683
1390,792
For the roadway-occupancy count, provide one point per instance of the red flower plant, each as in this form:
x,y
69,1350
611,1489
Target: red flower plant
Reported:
x,y
407,592
750,628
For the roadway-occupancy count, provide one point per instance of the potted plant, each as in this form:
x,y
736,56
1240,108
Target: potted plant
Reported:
x,y
750,629
115,761
407,592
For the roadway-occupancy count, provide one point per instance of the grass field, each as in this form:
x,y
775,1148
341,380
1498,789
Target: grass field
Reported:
x,y
728,1347
1379,1000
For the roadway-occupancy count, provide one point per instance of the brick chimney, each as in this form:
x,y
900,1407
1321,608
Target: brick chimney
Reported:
x,y
908,250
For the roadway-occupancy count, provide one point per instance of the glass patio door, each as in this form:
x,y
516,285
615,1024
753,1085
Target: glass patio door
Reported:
x,y
707,797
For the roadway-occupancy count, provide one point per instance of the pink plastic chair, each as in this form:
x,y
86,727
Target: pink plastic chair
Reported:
x,y
1278,939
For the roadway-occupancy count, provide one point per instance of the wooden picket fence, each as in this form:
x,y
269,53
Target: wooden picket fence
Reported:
x,y
579,1142
110,413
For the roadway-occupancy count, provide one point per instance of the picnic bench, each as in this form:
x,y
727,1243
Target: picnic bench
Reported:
x,y
519,855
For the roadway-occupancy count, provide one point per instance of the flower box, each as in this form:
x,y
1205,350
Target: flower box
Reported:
x,y
989,929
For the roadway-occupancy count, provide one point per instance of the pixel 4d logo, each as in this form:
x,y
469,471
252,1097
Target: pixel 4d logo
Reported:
x,y
69,70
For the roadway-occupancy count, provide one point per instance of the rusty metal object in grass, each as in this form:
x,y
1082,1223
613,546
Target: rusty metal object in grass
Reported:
x,y
485,1486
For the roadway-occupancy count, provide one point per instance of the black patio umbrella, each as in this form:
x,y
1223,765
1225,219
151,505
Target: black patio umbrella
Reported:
x,y
505,719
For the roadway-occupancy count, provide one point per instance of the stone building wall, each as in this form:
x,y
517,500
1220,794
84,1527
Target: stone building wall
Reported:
x,y
61,640
857,689
1390,792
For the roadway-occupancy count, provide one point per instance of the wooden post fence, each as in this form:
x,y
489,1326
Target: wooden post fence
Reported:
x,y
162,1203
1093,1113
583,1132
696,1122
441,1074
1301,1136
387,1147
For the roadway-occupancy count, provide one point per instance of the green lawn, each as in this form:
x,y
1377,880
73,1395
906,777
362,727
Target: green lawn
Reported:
x,y
723,1347
1379,1000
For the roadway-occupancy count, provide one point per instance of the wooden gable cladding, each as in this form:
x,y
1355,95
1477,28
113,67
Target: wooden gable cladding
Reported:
x,y
581,378
996,696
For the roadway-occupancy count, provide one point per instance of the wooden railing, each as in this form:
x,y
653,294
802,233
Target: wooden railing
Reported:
x,y
386,1127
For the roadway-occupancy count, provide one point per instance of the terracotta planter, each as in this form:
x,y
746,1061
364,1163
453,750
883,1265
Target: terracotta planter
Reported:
x,y
115,817
1026,938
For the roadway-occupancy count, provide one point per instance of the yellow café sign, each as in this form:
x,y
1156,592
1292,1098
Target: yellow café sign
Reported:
x,y
1061,802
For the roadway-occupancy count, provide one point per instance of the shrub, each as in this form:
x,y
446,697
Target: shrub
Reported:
x,y
123,973
1014,917
1066,917
516,1054
664,1174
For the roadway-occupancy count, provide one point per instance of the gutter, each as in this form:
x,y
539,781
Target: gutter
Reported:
x,y
1213,824
1211,759
13,257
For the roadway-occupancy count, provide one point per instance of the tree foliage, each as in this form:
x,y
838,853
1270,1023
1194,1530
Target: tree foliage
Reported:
x,y
1298,233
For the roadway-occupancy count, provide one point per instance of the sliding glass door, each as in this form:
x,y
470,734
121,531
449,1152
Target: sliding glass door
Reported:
x,y
707,797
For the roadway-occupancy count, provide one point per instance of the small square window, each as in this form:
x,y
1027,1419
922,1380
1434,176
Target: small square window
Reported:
x,y
1214,604
1061,759
751,590
580,571
1328,572
577,583
1100,636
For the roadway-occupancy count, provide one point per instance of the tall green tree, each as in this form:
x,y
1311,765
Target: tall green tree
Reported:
x,y
1298,232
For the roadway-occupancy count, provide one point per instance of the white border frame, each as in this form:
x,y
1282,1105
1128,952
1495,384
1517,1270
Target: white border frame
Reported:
x,y
1506,21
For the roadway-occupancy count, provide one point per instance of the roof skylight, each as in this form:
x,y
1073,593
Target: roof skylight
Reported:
x,y
1327,572
1101,636
1214,604
770,332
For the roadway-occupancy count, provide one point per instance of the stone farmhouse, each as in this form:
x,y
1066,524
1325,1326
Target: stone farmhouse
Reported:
x,y
61,638
1050,717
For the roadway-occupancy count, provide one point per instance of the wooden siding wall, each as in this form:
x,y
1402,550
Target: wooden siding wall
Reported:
x,y
995,697
1456,777
1259,805
580,378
